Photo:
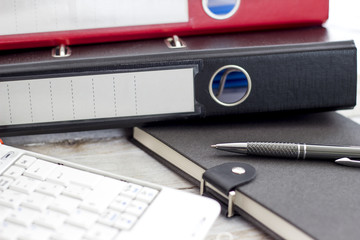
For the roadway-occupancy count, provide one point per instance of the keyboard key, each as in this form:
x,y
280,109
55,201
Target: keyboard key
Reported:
x,y
131,190
120,203
113,184
97,202
109,217
100,198
10,231
76,176
100,232
147,194
25,184
50,219
4,211
60,175
38,201
125,222
136,208
49,188
5,182
68,232
64,204
14,172
76,191
22,216
82,218
10,198
35,232
25,161
40,169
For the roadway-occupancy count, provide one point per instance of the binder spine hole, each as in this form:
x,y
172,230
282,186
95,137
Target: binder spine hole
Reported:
x,y
61,51
175,42
230,85
220,9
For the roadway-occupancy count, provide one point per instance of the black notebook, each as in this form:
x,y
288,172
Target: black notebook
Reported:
x,y
303,199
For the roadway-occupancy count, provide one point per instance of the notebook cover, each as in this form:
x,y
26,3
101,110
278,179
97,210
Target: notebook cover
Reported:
x,y
317,197
43,23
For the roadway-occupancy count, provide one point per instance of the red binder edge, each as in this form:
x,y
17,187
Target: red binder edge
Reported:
x,y
251,15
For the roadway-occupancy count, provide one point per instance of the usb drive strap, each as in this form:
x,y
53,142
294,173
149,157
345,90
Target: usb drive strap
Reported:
x,y
226,178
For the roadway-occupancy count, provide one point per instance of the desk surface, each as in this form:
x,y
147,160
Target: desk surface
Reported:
x,y
111,151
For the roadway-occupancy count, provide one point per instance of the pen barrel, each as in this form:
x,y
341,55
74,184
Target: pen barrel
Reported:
x,y
273,149
301,151
331,152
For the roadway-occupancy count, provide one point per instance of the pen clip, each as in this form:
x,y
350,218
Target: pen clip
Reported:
x,y
348,162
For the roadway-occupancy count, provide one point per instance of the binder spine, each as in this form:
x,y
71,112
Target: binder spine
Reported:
x,y
311,76
315,80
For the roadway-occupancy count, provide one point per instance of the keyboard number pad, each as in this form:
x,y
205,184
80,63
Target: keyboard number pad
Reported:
x,y
128,206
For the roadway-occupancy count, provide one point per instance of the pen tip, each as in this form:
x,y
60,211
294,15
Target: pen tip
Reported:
x,y
213,146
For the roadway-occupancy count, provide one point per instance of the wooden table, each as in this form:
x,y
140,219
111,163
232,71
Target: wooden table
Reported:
x,y
110,150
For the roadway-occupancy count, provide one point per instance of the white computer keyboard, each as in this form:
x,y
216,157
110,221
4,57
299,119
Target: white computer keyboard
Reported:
x,y
46,198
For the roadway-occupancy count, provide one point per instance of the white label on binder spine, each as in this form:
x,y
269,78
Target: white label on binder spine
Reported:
x,y
24,16
97,96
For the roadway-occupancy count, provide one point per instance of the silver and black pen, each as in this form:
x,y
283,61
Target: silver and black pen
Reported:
x,y
341,154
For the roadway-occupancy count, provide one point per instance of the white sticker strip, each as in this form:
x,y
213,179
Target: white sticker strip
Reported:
x,y
35,16
97,96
